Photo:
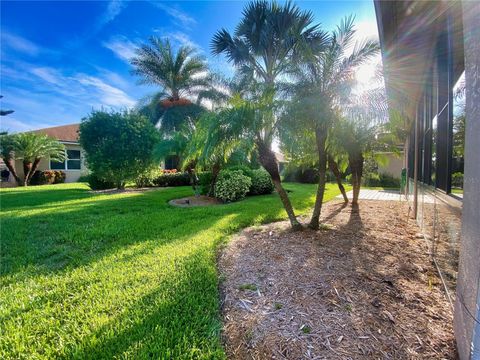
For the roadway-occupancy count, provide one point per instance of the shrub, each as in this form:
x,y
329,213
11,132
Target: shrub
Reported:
x,y
147,177
205,180
60,177
378,180
301,174
243,168
96,183
261,183
457,180
83,178
232,185
47,177
172,179
118,145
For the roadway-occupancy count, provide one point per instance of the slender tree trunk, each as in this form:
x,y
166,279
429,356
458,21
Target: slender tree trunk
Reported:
x,y
356,166
215,171
27,168
269,162
334,169
33,169
321,139
9,163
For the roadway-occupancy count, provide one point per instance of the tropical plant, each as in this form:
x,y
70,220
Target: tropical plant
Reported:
x,y
269,37
232,185
261,183
31,148
323,81
118,145
7,154
181,75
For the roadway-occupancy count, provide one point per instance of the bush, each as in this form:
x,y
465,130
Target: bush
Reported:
x,y
301,174
457,180
172,179
96,183
232,185
60,177
118,145
205,180
47,177
261,183
147,178
243,168
83,178
378,180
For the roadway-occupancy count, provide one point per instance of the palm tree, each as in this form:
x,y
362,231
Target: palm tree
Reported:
x,y
267,40
181,75
324,80
31,148
7,154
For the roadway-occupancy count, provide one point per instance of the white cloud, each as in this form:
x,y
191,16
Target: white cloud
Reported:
x,y
12,125
114,8
121,46
109,95
48,74
19,44
181,17
178,38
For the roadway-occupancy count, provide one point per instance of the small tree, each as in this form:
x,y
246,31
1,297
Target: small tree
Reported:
x,y
7,154
118,145
31,148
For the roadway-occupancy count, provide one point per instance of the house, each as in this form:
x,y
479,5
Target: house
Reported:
x,y
74,164
431,56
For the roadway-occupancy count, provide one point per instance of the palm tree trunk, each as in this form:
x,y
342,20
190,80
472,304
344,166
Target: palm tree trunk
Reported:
x,y
27,169
334,169
321,139
269,162
356,166
9,163
215,171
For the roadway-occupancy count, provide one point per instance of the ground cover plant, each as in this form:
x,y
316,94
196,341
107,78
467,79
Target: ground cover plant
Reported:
x,y
120,275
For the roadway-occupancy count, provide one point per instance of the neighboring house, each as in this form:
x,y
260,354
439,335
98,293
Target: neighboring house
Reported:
x,y
74,165
394,165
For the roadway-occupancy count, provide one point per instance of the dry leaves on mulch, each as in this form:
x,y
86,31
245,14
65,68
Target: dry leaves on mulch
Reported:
x,y
361,288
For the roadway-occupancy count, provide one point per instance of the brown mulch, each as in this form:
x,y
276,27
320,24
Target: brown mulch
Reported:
x,y
191,201
363,287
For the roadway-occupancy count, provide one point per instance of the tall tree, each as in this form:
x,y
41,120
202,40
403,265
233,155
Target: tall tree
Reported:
x,y
31,148
181,76
324,80
268,39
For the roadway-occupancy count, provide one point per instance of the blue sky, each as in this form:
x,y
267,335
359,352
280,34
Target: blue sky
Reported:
x,y
61,59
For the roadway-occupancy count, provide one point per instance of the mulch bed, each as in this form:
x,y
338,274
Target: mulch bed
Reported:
x,y
192,201
363,287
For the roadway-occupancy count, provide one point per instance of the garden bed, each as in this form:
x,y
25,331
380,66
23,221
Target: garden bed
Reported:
x,y
363,287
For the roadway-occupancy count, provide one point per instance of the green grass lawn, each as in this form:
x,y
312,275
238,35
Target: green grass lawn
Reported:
x,y
117,276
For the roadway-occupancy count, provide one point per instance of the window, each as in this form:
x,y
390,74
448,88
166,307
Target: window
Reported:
x,y
72,161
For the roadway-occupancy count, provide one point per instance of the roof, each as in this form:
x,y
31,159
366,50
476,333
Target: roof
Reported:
x,y
65,133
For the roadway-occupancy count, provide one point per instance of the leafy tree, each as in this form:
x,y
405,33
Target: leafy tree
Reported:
x,y
118,145
324,81
31,148
269,37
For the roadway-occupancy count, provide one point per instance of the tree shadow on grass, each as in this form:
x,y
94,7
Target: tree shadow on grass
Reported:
x,y
183,324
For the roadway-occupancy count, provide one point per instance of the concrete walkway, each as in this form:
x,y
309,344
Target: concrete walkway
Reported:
x,y
366,194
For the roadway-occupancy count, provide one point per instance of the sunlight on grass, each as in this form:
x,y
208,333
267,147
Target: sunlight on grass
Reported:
x,y
126,275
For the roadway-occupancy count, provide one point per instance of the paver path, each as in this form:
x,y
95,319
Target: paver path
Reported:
x,y
366,194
